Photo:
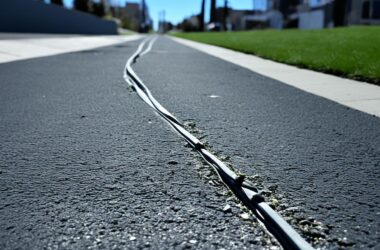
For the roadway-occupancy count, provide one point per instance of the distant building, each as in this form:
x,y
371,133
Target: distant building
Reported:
x,y
302,14
131,10
278,14
273,19
316,16
234,20
130,16
330,13
190,24
134,17
362,12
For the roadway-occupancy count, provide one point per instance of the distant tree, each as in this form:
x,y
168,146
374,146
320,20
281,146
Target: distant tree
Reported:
x,y
202,17
187,26
225,15
130,23
340,7
143,28
98,9
57,2
82,5
213,11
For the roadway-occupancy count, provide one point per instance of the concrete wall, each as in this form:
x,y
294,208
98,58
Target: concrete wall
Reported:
x,y
30,16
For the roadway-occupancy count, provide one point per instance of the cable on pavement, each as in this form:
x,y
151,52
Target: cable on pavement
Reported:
x,y
243,189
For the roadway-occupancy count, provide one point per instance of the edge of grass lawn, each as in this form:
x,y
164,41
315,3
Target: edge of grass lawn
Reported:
x,y
357,49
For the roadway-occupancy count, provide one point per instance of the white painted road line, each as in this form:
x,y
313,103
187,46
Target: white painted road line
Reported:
x,y
20,49
354,94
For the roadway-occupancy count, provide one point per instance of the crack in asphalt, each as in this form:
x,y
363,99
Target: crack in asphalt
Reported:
x,y
237,183
310,228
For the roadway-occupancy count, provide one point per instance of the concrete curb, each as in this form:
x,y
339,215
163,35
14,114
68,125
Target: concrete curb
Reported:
x,y
354,94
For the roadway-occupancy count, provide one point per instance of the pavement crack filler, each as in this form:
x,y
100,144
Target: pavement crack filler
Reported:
x,y
310,228
238,184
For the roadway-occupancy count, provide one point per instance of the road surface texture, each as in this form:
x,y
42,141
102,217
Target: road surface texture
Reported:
x,y
84,163
322,157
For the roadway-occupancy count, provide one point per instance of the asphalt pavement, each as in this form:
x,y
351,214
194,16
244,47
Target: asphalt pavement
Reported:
x,y
319,158
84,163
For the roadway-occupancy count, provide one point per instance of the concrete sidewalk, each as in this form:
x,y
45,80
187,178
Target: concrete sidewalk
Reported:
x,y
354,94
40,46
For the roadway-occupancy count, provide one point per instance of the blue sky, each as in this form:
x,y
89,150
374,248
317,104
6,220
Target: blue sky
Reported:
x,y
176,10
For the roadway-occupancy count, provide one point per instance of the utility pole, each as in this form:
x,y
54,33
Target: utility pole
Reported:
x,y
162,21
159,22
143,21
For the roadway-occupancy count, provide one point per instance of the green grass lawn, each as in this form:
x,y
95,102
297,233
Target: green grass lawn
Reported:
x,y
352,52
